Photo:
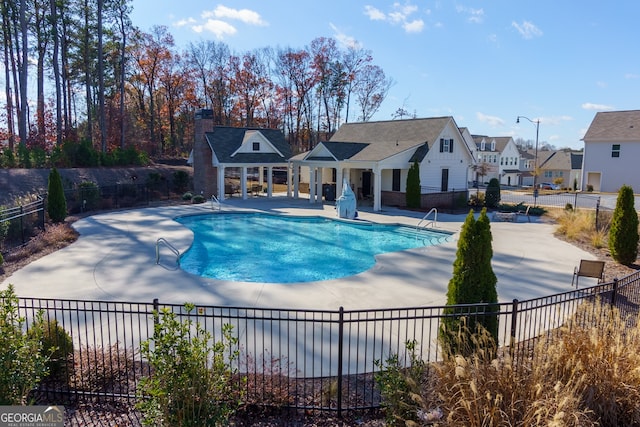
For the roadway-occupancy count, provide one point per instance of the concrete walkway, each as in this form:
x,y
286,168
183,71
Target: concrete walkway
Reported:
x,y
115,259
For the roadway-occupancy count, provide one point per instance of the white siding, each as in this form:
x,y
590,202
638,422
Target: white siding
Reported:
x,y
614,171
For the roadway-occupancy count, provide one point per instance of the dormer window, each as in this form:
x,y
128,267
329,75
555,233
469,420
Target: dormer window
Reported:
x,y
256,146
493,146
482,146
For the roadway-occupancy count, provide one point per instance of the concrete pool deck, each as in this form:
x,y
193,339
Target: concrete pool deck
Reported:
x,y
115,260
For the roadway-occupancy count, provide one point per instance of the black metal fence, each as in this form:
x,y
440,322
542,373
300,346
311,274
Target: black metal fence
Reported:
x,y
18,224
311,360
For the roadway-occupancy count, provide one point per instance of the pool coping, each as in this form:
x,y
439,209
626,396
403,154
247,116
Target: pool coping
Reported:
x,y
114,260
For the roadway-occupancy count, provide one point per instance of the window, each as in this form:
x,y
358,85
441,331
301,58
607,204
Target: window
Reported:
x,y
256,146
493,146
446,145
482,146
615,150
395,185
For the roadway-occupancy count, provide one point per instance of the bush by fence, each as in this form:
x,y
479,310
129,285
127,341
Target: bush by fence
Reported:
x,y
302,359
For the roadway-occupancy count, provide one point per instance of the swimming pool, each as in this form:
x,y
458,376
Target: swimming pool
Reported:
x,y
258,247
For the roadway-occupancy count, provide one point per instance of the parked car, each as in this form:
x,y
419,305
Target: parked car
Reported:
x,y
549,186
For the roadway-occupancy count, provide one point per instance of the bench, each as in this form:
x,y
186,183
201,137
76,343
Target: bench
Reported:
x,y
505,216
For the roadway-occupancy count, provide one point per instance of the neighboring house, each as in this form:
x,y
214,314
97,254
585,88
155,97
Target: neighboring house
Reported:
x,y
611,152
556,168
527,166
374,158
217,148
501,158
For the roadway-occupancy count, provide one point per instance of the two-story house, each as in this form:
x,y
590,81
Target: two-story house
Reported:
x,y
498,157
611,152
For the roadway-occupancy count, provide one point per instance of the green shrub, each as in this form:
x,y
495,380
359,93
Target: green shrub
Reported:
x,y
89,194
187,196
23,364
492,197
1,260
56,202
473,282
400,386
192,378
198,198
568,207
8,159
180,181
56,344
623,234
24,157
413,197
38,157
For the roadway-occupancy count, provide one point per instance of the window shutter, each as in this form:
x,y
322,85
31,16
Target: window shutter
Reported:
x,y
451,145
442,145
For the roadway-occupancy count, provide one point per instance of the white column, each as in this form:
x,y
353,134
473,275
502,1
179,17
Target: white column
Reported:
x,y
243,182
312,184
269,181
220,183
377,190
319,186
296,180
339,181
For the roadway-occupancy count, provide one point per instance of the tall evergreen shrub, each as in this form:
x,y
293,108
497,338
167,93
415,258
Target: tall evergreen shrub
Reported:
x,y
623,234
56,203
413,186
492,196
473,282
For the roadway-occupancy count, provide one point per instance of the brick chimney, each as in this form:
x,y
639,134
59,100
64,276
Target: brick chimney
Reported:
x,y
205,175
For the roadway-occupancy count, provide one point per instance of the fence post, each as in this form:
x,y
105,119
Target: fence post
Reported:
x,y
514,322
614,292
156,311
340,350
22,223
597,211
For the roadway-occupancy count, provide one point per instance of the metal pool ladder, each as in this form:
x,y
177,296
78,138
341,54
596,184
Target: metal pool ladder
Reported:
x,y
427,222
172,248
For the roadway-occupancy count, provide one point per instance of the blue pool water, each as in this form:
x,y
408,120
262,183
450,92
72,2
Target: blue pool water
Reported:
x,y
255,247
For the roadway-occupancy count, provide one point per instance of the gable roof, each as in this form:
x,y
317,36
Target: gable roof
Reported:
x,y
225,142
387,138
501,142
617,126
339,150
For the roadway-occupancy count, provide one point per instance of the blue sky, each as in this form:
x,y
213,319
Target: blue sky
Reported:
x,y
482,62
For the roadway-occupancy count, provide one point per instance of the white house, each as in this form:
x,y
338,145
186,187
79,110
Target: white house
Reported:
x,y
499,158
374,158
611,152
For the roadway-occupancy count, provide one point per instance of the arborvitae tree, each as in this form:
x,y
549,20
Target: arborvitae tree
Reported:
x,y
56,203
473,282
413,186
492,196
623,235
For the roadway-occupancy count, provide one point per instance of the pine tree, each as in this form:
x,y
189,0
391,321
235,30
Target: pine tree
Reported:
x,y
623,234
492,195
473,282
56,203
413,186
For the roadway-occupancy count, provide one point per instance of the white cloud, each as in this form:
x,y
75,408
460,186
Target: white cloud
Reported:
x,y
217,27
399,15
184,22
591,106
414,26
527,29
374,14
476,16
344,39
632,76
243,15
491,120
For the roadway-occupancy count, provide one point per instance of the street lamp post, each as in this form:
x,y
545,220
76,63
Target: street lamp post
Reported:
x,y
535,166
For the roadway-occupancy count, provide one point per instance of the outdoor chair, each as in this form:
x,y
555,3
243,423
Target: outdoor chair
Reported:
x,y
589,268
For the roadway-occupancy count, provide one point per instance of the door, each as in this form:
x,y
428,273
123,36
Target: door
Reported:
x,y
444,182
366,183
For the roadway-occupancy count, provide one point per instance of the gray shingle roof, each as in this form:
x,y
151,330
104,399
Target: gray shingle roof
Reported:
x,y
387,138
225,140
619,126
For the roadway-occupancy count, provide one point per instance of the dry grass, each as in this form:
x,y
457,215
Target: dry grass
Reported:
x,y
587,373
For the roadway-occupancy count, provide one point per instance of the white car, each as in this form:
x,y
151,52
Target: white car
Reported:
x,y
549,186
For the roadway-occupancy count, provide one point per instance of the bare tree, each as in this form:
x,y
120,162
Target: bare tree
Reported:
x,y
371,90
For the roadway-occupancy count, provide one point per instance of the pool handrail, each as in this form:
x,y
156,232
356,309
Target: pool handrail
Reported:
x,y
433,223
169,245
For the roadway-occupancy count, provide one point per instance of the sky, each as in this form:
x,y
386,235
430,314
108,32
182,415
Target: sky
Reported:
x,y
482,62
